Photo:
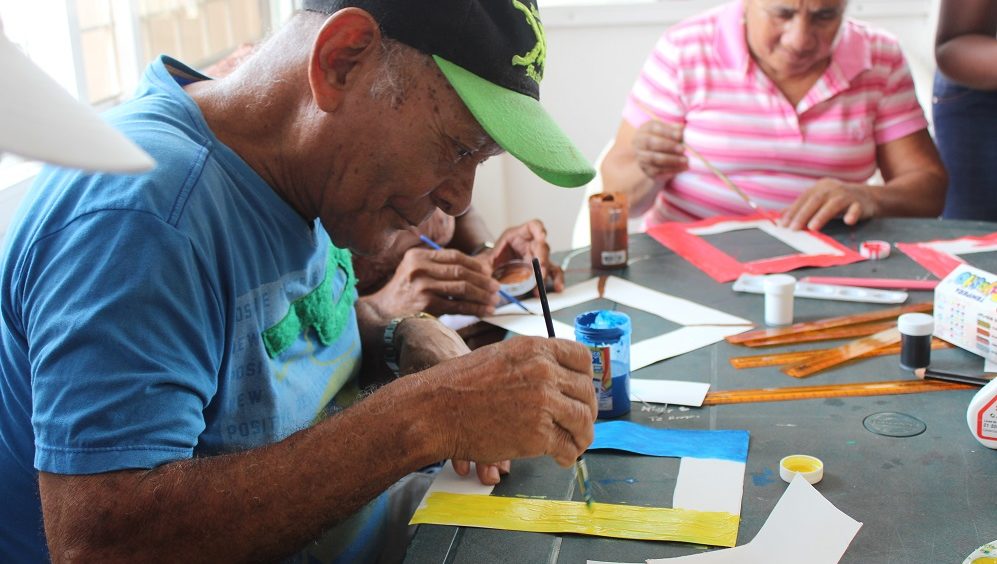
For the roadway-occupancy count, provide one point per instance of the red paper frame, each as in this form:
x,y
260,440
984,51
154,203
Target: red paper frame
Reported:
x,y
937,262
723,268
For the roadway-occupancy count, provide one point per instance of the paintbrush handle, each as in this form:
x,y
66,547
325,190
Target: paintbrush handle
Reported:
x,y
954,377
713,169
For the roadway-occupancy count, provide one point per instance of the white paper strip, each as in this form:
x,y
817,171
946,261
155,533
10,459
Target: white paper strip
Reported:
x,y
803,527
710,325
448,480
707,484
668,391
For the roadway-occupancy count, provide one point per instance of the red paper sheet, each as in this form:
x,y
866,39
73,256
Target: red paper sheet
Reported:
x,y
941,263
723,268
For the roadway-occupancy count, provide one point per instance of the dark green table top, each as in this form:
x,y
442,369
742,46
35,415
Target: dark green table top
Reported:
x,y
931,498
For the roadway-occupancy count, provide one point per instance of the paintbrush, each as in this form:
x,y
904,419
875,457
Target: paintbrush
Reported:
x,y
581,469
716,171
502,293
932,374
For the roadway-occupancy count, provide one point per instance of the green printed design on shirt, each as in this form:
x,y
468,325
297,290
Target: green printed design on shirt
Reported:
x,y
317,309
533,59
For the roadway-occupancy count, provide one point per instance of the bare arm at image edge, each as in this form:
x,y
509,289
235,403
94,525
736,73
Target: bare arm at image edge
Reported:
x,y
966,42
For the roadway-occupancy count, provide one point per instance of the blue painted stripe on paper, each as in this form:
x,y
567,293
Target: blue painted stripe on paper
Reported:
x,y
631,437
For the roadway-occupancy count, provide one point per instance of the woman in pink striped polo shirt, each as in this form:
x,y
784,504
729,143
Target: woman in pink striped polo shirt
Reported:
x,y
797,104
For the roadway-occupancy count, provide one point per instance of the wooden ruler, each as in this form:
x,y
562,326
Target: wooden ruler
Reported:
x,y
887,388
779,359
844,353
880,315
847,332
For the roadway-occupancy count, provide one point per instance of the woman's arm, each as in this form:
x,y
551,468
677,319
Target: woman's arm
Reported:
x,y
915,182
640,158
965,44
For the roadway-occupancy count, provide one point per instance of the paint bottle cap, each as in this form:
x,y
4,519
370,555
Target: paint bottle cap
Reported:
x,y
986,554
874,250
916,324
810,467
779,284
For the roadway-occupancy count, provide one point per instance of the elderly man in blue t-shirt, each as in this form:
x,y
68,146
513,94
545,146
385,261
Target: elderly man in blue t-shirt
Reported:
x,y
180,348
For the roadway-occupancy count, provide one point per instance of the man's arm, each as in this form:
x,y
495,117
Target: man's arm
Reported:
x,y
965,44
268,502
470,233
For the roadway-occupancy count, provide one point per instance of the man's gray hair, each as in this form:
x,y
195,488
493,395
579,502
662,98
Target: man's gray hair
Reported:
x,y
400,62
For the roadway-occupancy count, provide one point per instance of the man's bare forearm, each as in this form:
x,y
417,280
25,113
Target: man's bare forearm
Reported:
x,y
258,505
470,232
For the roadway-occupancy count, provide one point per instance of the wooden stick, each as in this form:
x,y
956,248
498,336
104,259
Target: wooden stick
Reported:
x,y
889,313
850,390
847,332
780,359
844,353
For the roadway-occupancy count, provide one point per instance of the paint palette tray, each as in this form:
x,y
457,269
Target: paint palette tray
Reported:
x,y
752,284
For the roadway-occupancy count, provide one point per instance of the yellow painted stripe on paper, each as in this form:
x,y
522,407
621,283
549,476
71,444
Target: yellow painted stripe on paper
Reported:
x,y
714,528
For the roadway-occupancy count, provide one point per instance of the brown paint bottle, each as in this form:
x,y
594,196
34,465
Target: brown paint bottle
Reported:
x,y
608,220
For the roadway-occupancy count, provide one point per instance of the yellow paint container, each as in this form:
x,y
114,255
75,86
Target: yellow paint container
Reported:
x,y
810,467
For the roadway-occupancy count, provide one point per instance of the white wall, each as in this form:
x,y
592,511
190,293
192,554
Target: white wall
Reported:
x,y
594,55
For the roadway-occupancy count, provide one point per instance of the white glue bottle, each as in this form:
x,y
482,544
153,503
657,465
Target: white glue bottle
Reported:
x,y
982,415
779,290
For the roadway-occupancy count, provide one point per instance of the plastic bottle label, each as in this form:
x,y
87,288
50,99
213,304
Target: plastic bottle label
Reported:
x,y
602,377
613,258
986,426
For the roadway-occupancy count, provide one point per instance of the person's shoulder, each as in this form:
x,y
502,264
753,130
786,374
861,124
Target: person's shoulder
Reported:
x,y
882,44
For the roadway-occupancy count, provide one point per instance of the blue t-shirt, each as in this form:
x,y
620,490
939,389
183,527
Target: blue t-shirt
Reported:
x,y
152,318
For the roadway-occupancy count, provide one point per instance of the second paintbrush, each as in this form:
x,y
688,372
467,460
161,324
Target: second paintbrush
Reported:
x,y
581,469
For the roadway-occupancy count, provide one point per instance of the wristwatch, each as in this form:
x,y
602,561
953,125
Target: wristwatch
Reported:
x,y
390,350
482,247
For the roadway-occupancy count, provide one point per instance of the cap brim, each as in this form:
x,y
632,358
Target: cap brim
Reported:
x,y
42,121
520,125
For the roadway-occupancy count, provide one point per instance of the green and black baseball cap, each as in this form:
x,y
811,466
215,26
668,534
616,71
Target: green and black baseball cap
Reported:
x,y
492,52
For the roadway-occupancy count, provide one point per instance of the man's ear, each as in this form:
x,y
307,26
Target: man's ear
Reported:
x,y
348,43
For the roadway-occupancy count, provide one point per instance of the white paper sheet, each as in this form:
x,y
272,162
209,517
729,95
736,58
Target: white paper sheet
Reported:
x,y
958,247
704,325
803,527
802,241
707,484
668,391
448,480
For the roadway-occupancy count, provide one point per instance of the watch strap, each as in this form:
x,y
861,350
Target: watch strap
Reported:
x,y
391,351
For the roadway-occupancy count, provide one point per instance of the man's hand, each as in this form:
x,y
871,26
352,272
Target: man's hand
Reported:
x,y
659,149
424,343
488,474
439,282
827,199
525,242
520,398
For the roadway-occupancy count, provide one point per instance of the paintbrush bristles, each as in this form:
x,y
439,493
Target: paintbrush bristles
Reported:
x,y
930,374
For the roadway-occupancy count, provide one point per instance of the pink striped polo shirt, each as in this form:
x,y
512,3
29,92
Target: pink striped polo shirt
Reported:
x,y
701,74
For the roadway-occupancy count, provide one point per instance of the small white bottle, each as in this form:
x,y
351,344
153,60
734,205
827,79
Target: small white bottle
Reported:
x,y
982,415
779,290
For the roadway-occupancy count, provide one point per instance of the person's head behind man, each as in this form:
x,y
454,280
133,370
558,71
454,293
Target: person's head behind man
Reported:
x,y
424,92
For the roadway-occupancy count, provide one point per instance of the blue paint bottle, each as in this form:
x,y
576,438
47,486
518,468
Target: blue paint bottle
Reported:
x,y
607,335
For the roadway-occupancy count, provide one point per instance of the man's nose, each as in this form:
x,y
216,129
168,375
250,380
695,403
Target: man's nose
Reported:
x,y
453,196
